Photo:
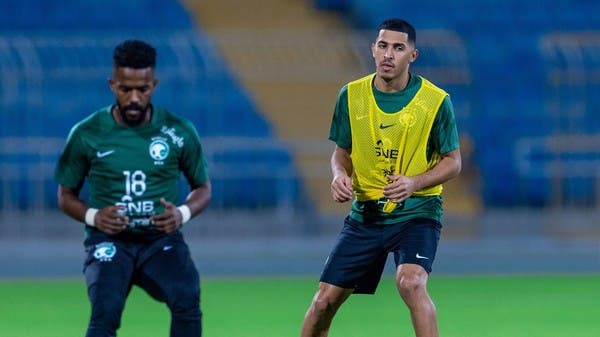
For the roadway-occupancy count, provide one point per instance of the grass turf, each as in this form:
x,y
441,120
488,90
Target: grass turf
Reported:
x,y
528,306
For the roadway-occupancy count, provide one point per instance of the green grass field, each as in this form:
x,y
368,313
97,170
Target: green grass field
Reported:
x,y
502,306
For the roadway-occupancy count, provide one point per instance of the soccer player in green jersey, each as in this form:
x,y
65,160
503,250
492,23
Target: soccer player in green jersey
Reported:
x,y
132,154
396,143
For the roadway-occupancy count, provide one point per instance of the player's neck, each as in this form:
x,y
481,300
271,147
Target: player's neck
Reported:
x,y
393,85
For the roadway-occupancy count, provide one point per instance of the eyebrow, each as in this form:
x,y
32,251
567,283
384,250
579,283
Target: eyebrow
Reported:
x,y
395,44
123,86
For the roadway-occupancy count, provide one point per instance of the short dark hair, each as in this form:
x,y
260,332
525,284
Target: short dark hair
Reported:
x,y
399,25
134,54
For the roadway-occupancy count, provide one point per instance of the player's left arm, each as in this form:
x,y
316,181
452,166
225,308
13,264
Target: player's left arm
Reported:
x,y
173,216
402,187
194,168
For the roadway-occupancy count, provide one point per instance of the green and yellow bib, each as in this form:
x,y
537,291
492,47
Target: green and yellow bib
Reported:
x,y
390,143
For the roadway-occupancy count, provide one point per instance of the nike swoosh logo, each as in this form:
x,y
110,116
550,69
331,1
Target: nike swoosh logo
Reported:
x,y
165,248
381,126
104,154
422,257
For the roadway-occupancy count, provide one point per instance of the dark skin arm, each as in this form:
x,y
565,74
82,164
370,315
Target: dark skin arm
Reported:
x,y
401,187
171,219
109,221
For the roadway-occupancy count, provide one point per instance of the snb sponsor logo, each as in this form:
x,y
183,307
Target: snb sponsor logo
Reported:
x,y
138,211
136,207
382,151
386,158
105,251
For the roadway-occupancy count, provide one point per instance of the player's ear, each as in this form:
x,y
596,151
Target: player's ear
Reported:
x,y
111,84
414,55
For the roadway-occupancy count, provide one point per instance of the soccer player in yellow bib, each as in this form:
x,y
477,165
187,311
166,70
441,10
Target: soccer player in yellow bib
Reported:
x,y
396,144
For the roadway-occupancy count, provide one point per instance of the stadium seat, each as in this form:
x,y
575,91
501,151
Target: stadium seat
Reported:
x,y
56,73
509,90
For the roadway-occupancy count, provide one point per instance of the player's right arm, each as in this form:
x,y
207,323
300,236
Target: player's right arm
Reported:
x,y
341,168
70,173
341,163
107,219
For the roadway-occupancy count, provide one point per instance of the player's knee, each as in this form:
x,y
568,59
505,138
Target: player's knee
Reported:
x,y
323,307
187,314
410,284
184,303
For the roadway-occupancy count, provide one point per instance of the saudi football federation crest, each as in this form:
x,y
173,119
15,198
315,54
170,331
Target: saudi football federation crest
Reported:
x,y
159,150
105,251
408,118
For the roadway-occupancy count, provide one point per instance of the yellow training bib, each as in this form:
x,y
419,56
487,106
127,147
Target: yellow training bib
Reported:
x,y
390,143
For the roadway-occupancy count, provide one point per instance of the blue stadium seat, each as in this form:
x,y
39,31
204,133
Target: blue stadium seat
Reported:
x,y
508,94
55,58
93,14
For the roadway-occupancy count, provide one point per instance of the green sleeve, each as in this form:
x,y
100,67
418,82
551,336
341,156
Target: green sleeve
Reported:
x,y
73,163
339,131
444,134
192,162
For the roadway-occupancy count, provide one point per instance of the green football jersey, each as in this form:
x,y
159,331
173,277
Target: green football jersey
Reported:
x,y
443,139
132,166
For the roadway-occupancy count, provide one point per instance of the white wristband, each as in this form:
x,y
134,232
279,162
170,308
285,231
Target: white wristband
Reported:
x,y
186,214
90,214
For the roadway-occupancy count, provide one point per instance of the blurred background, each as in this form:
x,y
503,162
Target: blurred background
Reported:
x,y
260,78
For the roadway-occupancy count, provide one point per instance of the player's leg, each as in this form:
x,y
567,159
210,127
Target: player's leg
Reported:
x,y
354,266
169,275
108,271
325,304
415,246
411,281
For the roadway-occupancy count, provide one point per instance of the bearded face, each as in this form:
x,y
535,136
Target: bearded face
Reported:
x,y
133,89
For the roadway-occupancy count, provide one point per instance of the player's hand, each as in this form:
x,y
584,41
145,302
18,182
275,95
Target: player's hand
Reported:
x,y
399,188
168,221
341,188
110,219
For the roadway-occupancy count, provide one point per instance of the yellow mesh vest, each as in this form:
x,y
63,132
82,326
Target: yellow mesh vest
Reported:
x,y
390,143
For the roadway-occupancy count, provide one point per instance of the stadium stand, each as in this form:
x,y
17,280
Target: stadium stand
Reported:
x,y
55,58
521,66
527,79
294,60
524,80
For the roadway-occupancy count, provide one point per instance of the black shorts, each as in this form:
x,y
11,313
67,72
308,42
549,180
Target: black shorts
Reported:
x,y
358,258
158,266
